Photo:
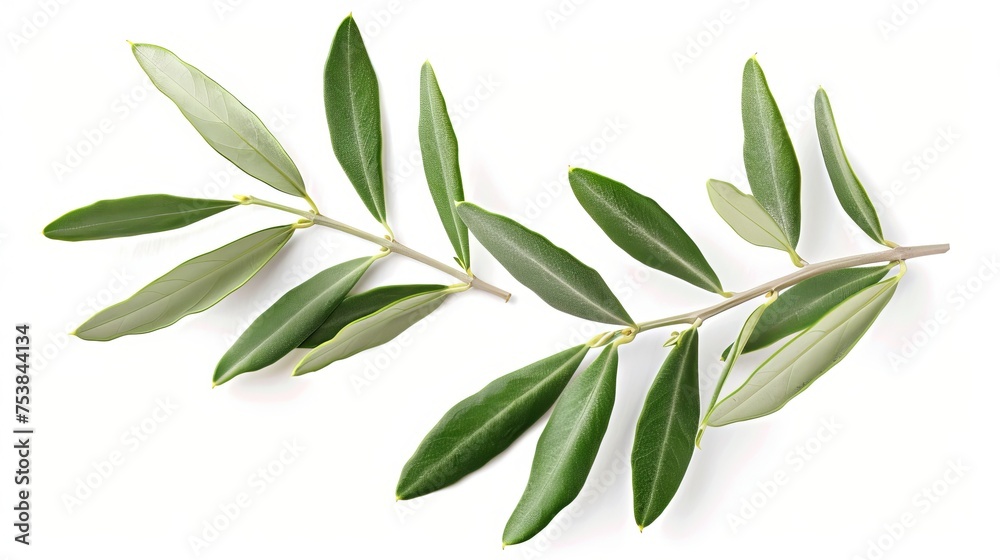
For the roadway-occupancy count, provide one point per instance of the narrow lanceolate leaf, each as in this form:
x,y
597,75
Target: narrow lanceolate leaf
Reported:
x,y
373,330
643,229
439,148
357,306
731,356
225,123
748,218
477,429
664,435
192,287
284,325
795,366
350,90
850,192
134,215
772,168
567,448
804,303
558,277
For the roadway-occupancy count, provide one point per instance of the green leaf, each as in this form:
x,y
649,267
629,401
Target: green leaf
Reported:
x,y
804,303
741,341
664,435
284,325
373,330
567,448
643,229
478,428
772,168
558,277
748,218
134,215
439,148
359,305
192,287
350,90
225,123
795,366
850,192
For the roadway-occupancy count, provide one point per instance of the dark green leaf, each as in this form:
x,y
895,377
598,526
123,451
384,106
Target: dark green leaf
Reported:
x,y
439,148
772,168
284,325
478,428
804,303
374,330
556,276
643,229
796,365
850,192
225,123
567,448
134,215
359,305
192,287
354,117
664,435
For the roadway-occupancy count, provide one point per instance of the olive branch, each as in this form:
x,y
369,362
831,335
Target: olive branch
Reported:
x,y
820,310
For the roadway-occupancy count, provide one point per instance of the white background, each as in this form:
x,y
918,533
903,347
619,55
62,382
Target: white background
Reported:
x,y
535,88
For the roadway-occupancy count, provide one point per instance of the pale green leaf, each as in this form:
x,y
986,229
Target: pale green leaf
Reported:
x,y
801,361
192,287
731,356
373,330
225,123
359,305
748,218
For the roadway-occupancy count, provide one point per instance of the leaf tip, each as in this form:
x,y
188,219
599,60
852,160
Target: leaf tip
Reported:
x,y
641,527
